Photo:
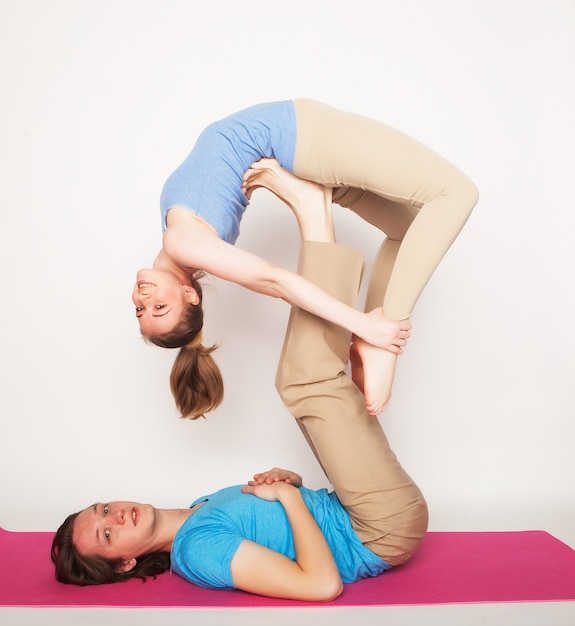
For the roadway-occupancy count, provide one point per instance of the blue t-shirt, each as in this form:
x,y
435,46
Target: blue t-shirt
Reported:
x,y
209,181
204,546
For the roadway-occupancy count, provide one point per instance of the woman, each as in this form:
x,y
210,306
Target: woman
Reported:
x,y
272,536
418,199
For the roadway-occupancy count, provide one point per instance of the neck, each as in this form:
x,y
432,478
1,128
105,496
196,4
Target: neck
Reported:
x,y
169,521
164,262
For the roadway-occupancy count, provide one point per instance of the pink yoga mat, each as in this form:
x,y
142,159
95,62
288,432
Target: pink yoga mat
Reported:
x,y
449,568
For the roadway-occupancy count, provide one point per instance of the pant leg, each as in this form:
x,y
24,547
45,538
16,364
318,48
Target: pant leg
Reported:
x,y
386,168
393,219
386,508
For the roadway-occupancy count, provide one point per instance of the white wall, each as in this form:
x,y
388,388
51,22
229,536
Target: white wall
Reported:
x,y
101,100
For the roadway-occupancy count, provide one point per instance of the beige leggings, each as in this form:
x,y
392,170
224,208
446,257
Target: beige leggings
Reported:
x,y
417,198
386,507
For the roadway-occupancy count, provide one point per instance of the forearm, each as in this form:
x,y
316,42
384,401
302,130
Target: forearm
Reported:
x,y
189,248
373,327
312,575
304,294
313,554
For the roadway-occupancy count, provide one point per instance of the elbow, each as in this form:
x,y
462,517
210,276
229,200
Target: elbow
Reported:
x,y
329,589
270,287
337,590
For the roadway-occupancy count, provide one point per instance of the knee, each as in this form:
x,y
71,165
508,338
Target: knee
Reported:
x,y
455,202
289,391
299,379
467,194
406,532
414,532
281,383
295,396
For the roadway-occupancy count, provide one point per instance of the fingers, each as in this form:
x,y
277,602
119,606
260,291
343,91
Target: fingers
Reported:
x,y
403,336
275,475
266,477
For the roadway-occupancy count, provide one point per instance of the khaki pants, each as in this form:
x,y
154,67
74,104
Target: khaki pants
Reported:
x,y
417,198
386,508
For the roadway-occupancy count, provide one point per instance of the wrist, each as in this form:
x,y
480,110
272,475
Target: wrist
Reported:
x,y
288,493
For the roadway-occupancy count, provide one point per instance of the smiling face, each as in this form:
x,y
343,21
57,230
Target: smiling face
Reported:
x,y
117,530
160,298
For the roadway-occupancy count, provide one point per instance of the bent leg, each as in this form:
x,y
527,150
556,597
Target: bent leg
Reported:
x,y
416,197
433,197
386,508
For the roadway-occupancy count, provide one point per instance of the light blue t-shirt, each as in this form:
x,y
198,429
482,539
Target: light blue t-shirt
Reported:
x,y
204,546
209,181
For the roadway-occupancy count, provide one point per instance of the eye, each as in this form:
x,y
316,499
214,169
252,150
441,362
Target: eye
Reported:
x,y
107,535
159,306
139,309
106,509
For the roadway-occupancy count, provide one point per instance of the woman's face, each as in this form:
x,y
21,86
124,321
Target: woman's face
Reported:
x,y
115,530
160,297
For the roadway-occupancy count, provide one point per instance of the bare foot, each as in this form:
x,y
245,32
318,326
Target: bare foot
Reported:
x,y
310,202
373,370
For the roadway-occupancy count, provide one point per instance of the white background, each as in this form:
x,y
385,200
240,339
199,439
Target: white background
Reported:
x,y
102,100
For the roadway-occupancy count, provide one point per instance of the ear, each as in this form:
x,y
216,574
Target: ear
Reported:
x,y
126,566
191,295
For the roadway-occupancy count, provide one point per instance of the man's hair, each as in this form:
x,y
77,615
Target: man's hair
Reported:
x,y
75,569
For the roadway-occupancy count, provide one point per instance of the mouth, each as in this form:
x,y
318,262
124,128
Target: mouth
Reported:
x,y
142,284
135,516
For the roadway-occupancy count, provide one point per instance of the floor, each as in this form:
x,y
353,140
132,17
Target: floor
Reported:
x,y
500,614
508,614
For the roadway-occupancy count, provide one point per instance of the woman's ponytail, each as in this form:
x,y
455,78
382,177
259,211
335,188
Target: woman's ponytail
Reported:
x,y
196,381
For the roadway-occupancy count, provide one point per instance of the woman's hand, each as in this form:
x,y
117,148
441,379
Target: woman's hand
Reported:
x,y
382,332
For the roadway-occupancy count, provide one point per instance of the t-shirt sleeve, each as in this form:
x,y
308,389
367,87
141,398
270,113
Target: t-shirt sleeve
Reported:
x,y
205,558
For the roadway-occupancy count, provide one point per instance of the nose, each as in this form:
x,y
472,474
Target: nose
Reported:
x,y
119,516
139,297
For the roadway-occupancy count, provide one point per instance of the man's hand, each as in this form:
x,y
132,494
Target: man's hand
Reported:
x,y
275,475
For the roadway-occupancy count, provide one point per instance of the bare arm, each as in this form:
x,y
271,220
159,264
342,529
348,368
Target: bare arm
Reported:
x,y
192,246
313,576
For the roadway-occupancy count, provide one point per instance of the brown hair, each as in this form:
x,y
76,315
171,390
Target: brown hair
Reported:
x,y
75,569
196,381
